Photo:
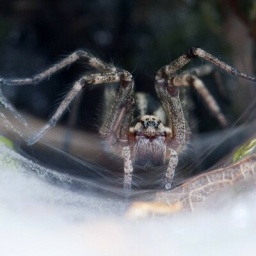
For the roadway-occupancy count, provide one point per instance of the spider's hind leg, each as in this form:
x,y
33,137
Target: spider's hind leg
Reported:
x,y
192,78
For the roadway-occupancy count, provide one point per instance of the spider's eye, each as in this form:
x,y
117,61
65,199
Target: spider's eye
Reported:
x,y
150,123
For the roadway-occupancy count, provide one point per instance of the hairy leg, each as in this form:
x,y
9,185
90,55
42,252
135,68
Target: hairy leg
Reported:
x,y
167,83
171,69
93,79
5,102
66,62
128,169
188,79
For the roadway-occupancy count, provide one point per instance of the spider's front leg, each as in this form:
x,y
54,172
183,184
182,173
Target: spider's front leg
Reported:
x,y
169,96
116,125
90,80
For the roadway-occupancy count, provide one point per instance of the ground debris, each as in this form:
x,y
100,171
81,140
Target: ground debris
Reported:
x,y
140,209
197,190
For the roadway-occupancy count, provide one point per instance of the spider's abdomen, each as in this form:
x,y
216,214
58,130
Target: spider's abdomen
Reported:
x,y
149,152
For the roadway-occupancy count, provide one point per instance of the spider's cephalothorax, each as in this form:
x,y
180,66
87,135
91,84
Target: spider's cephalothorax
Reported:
x,y
149,142
148,139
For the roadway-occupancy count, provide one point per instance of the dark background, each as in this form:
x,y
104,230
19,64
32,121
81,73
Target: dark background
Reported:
x,y
140,36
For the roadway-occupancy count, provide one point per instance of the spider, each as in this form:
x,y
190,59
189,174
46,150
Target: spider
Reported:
x,y
149,142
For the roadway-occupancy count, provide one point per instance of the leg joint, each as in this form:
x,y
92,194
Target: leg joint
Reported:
x,y
82,53
36,79
192,52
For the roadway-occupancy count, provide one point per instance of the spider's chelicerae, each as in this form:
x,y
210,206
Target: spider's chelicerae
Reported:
x,y
149,142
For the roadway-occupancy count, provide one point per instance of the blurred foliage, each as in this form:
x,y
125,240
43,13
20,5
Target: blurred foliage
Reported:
x,y
245,150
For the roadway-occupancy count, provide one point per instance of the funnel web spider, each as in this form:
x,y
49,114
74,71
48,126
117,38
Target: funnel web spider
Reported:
x,y
149,142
